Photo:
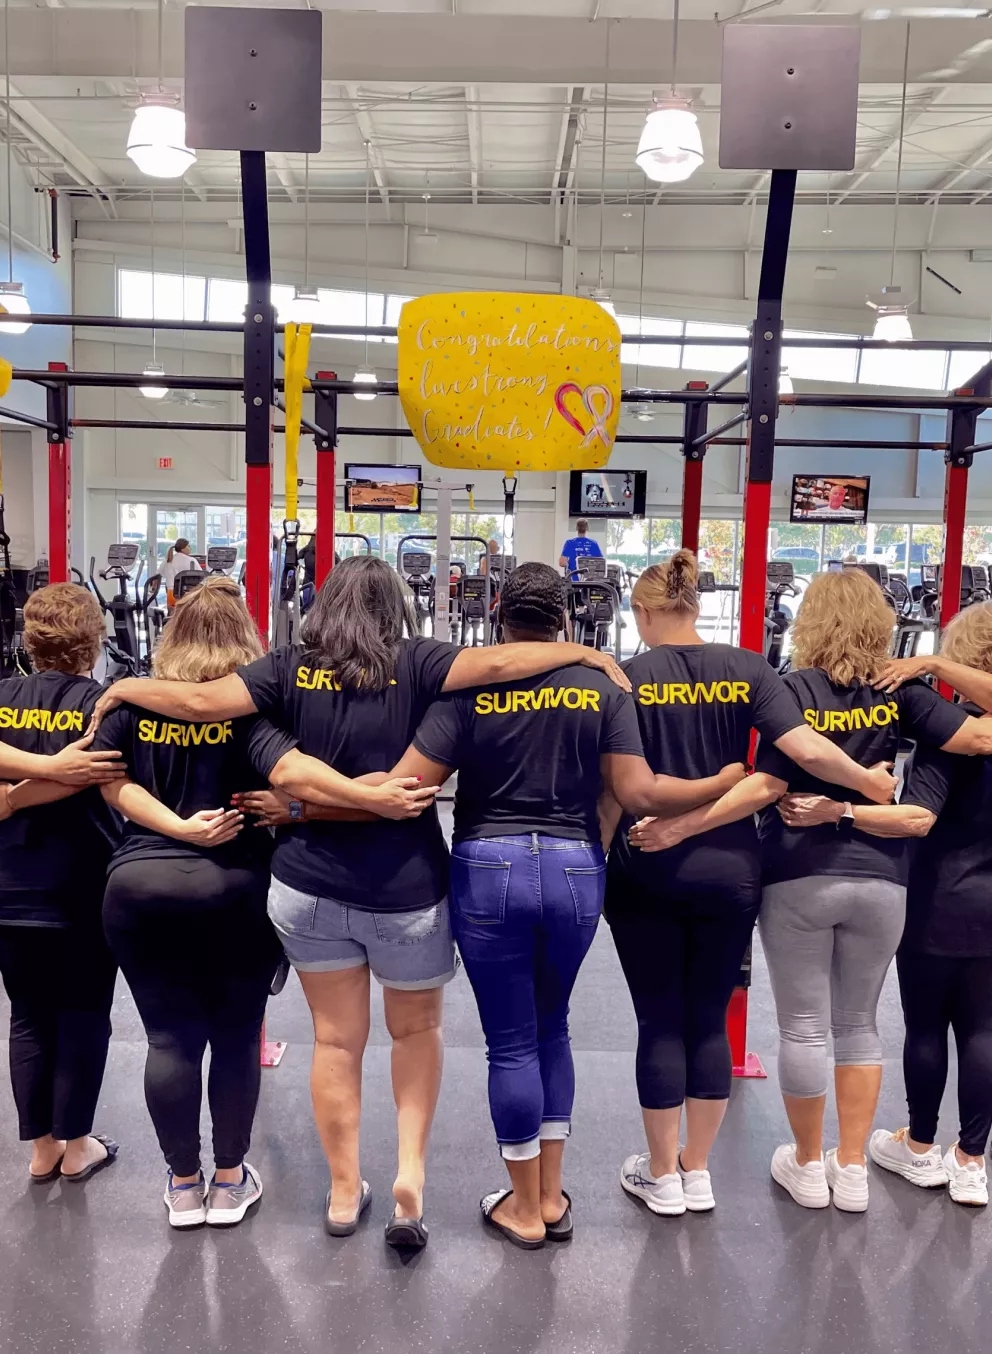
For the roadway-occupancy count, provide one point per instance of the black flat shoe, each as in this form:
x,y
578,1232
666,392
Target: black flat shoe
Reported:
x,y
347,1228
562,1229
406,1233
487,1205
77,1177
49,1176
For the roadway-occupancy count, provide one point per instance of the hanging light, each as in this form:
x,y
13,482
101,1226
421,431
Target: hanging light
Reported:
x,y
157,141
154,392
785,382
365,376
892,324
670,148
643,412
892,319
603,298
14,302
305,306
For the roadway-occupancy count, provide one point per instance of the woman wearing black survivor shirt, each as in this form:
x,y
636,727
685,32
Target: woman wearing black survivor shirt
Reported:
x,y
682,920
945,956
834,901
185,904
56,967
350,896
527,878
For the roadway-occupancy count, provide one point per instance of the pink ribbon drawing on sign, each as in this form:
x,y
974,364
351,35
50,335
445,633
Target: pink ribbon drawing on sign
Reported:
x,y
589,396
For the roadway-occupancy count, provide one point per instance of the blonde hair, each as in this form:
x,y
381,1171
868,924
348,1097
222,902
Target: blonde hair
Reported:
x,y
669,587
63,628
843,626
968,638
209,635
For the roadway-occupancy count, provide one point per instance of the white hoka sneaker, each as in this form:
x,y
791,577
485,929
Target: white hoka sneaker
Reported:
x,y
849,1184
807,1184
968,1184
662,1194
697,1189
893,1153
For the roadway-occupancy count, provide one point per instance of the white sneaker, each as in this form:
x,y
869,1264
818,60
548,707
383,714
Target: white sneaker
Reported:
x,y
807,1184
228,1204
662,1195
893,1153
187,1204
848,1183
697,1189
969,1184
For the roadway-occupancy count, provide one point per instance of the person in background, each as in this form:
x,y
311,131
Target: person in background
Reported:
x,y
56,967
578,547
353,898
185,904
180,559
484,559
688,913
834,901
945,956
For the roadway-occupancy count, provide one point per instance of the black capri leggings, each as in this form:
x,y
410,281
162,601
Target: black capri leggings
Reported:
x,y
198,952
681,954
940,993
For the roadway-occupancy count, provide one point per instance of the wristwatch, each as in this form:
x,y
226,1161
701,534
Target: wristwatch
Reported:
x,y
845,823
297,811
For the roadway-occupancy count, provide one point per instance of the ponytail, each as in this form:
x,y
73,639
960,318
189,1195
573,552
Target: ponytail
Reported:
x,y
669,587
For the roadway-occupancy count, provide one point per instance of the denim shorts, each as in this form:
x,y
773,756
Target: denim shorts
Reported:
x,y
405,950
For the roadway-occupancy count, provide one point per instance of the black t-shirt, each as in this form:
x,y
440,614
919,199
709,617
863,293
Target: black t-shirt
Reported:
x,y
867,724
378,867
49,853
697,705
191,767
949,901
527,752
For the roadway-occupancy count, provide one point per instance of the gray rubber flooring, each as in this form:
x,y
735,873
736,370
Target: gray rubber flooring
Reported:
x,y
94,1269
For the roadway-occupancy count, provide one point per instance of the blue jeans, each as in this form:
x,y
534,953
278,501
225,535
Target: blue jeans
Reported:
x,y
524,912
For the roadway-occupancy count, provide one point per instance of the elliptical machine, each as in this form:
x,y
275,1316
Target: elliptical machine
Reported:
x,y
780,582
123,650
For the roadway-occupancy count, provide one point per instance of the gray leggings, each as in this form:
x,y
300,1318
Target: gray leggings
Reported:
x,y
829,941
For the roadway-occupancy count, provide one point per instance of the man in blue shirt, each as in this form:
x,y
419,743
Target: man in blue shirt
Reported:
x,y
576,547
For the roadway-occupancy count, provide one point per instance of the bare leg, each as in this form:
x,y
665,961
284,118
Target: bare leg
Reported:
x,y
662,1129
553,1202
702,1123
806,1119
521,1211
45,1154
857,1099
414,1023
80,1153
339,1004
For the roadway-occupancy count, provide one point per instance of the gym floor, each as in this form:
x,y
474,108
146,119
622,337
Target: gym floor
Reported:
x,y
95,1269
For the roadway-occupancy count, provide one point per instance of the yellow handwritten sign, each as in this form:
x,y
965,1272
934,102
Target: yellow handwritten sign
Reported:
x,y
510,381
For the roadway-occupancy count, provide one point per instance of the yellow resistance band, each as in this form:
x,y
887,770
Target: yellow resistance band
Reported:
x,y
297,340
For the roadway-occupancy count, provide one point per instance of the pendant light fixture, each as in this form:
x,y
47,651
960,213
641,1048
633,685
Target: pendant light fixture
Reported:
x,y
892,314
12,298
155,368
365,375
670,148
306,301
157,139
599,294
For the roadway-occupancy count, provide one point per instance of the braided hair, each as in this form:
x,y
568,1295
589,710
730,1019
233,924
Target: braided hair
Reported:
x,y
533,601
671,586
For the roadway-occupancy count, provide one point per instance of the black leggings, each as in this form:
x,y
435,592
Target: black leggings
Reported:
x,y
938,994
198,952
60,981
681,956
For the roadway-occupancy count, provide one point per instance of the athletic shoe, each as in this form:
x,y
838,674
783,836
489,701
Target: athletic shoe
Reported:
x,y
969,1184
893,1153
228,1204
662,1195
807,1184
697,1187
187,1204
848,1183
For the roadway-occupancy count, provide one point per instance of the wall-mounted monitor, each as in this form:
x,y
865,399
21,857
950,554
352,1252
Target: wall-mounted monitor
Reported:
x,y
607,493
837,499
382,488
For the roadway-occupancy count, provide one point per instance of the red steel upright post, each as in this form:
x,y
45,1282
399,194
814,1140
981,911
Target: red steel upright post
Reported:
x,y
59,480
326,418
694,426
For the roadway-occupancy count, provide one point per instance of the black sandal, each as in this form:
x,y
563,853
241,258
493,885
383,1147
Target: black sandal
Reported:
x,y
49,1176
406,1233
492,1201
347,1228
562,1229
77,1177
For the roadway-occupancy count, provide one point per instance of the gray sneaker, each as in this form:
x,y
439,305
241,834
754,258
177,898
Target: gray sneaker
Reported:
x,y
187,1204
228,1204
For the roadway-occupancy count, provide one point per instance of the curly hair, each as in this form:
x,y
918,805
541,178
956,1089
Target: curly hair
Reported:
x,y
968,638
533,601
209,635
669,587
844,627
63,628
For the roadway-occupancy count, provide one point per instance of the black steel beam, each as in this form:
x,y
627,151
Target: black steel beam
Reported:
x,y
705,438
16,417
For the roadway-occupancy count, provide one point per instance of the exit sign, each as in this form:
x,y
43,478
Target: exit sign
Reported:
x,y
165,463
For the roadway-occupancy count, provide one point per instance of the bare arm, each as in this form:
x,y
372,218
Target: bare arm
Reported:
x,y
827,762
74,765
974,738
225,698
609,813
511,662
747,797
317,783
272,806
973,685
211,827
638,790
878,820
30,794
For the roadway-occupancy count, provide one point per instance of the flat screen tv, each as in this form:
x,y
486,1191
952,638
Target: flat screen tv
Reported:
x,y
607,493
382,488
837,499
